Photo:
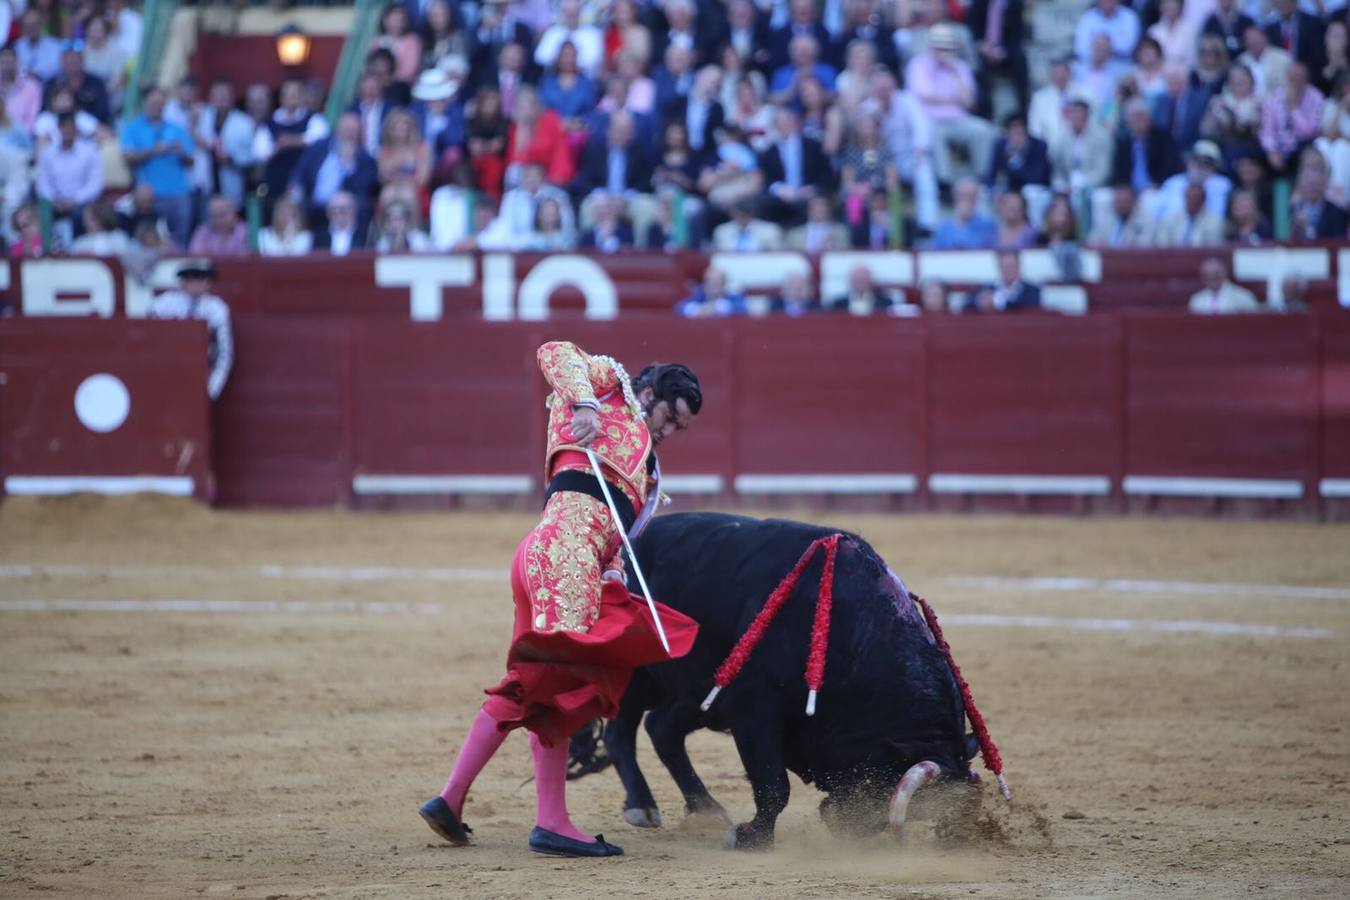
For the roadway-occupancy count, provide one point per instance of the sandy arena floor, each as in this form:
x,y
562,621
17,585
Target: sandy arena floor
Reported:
x,y
1164,739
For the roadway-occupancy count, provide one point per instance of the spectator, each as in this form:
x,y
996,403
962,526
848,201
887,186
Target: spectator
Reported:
x,y
862,297
1269,64
933,296
102,236
372,110
853,85
1334,144
1312,215
795,168
22,93
867,166
336,164
1233,119
396,36
451,216
291,128
537,136
1101,75
1010,293
802,21
1246,225
1218,295
404,163
1297,32
1119,23
747,39
1144,156
795,297
1193,225
1336,58
1288,294
15,180
997,26
1019,160
1183,113
914,37
1149,74
967,228
194,300
1081,160
634,91
287,235
1124,224
734,175
1045,119
487,142
803,62
500,28
610,230
614,161
441,37
60,102
626,35
69,176
39,54
222,234
864,25
137,209
439,114
380,64
340,235
159,154
682,28
105,59
1290,120
1202,167
128,27
1175,34
549,232
515,220
673,79
700,113
91,95
568,92
395,233
226,134
1230,23
1061,238
750,115
745,233
587,39
677,168
27,231
181,108
1014,228
821,232
945,89
881,228
713,298
908,137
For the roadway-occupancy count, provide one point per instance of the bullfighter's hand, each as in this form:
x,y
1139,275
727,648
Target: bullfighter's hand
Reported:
x,y
585,425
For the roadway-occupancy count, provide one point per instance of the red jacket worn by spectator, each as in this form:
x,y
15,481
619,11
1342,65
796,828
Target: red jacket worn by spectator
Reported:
x,y
548,148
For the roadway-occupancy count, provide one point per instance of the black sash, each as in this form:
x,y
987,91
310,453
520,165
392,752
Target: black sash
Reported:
x,y
586,483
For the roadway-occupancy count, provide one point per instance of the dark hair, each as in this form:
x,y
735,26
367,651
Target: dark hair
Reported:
x,y
65,117
670,382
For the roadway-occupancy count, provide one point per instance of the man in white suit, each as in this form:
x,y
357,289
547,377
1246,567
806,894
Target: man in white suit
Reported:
x,y
1219,296
744,233
1193,225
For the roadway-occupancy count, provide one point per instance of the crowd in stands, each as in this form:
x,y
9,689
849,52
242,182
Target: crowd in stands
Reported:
x,y
735,125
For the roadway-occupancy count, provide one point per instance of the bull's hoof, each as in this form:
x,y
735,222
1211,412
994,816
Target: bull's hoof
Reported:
x,y
747,837
643,817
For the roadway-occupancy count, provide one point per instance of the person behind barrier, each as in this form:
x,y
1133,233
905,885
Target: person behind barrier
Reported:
x,y
194,300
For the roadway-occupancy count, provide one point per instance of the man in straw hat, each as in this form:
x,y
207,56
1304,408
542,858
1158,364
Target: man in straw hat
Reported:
x,y
944,85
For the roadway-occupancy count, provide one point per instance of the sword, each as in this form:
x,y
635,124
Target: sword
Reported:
x,y
614,511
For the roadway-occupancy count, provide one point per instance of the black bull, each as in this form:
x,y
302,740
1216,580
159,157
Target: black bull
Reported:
x,y
889,700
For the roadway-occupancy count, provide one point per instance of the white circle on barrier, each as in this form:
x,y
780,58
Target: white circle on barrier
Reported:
x,y
102,402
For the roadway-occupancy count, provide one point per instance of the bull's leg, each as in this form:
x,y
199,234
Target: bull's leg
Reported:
x,y
639,806
668,726
760,742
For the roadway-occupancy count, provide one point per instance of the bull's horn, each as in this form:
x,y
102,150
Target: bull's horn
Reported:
x,y
918,775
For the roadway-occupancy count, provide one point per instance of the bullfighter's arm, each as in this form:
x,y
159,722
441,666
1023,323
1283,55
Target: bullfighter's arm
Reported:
x,y
576,377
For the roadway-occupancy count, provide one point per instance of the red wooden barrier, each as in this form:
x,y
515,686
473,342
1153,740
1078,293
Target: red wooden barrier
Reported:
x,y
114,407
1335,407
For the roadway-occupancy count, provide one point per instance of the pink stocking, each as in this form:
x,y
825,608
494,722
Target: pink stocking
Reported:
x,y
483,740
550,784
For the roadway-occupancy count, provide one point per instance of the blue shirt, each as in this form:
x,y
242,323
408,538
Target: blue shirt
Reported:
x,y
978,233
166,173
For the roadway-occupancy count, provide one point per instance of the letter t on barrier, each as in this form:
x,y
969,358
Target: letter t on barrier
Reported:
x,y
427,276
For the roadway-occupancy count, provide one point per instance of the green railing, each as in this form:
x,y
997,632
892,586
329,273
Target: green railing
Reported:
x,y
365,23
158,17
